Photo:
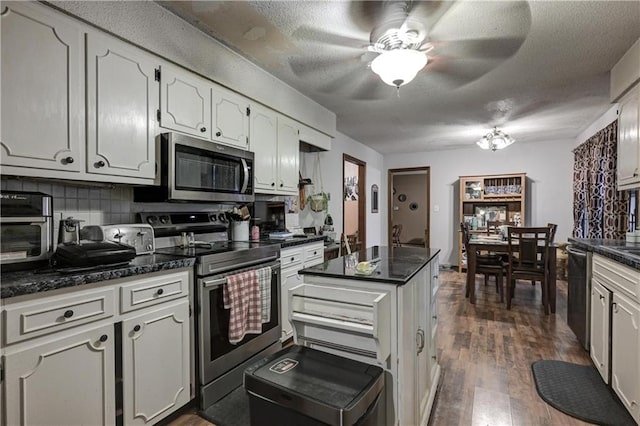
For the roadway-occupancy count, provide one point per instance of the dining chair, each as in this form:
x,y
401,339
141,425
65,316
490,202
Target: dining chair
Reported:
x,y
395,233
486,264
552,232
528,259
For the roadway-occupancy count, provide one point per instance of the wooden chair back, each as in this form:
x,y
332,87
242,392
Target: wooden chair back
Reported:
x,y
529,248
396,230
552,232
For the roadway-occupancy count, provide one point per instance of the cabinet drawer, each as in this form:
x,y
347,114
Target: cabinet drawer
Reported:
x,y
151,291
314,255
290,257
50,314
618,276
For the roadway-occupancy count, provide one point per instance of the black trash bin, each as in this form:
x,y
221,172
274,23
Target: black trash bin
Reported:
x,y
302,386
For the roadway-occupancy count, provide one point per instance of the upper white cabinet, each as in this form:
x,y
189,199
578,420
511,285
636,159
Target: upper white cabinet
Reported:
x,y
275,143
230,118
185,102
122,98
288,156
42,89
629,139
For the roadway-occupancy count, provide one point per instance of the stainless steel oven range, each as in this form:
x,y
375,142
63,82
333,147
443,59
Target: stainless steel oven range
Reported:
x,y
220,364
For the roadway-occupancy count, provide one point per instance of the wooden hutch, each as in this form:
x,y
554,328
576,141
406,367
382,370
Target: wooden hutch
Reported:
x,y
490,198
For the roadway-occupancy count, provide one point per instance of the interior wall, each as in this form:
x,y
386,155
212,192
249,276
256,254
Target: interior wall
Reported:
x,y
331,163
549,169
414,222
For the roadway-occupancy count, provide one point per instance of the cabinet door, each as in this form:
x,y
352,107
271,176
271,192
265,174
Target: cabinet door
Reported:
x,y
185,102
42,90
229,118
625,353
122,97
42,380
264,143
600,309
290,279
423,344
629,138
155,352
288,156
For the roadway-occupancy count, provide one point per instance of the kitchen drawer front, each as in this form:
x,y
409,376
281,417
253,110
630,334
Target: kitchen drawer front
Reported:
x,y
56,313
313,255
151,291
617,275
291,257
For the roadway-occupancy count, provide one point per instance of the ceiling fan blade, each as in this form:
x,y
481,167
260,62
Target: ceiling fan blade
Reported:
x,y
309,34
372,88
315,67
460,71
504,47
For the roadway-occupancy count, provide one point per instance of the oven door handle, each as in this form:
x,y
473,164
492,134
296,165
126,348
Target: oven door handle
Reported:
x,y
214,283
245,183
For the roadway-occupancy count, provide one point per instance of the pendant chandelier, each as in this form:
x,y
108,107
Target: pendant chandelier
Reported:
x,y
495,139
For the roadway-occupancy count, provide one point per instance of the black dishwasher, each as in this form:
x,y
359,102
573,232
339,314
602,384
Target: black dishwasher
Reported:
x,y
579,294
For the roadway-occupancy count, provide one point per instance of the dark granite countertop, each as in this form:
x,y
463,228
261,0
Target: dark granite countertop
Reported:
x,y
296,241
397,265
26,282
608,248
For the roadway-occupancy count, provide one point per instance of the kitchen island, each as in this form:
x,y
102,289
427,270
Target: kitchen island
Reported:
x,y
385,316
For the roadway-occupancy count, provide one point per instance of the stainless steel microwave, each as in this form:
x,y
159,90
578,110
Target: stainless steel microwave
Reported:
x,y
197,170
26,229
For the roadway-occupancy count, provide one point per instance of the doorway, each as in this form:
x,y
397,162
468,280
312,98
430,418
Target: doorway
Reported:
x,y
409,206
354,172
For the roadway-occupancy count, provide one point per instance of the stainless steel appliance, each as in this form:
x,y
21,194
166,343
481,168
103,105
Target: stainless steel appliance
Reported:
x,y
579,294
195,170
26,229
220,364
137,235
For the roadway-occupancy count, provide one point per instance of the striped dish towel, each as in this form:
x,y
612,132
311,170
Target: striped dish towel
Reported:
x,y
264,280
241,294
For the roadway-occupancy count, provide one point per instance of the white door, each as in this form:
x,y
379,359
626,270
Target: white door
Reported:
x,y
185,102
288,156
600,309
42,90
229,118
290,279
625,352
155,352
42,380
263,143
628,138
122,99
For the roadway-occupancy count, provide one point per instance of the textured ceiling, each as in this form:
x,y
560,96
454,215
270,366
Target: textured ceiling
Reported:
x,y
537,69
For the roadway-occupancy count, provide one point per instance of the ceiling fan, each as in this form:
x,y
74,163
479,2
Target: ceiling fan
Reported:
x,y
438,34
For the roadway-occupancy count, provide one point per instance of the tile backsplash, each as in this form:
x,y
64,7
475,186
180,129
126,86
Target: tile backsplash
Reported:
x,y
93,205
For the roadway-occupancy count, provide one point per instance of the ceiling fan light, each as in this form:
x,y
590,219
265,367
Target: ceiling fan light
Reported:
x,y
495,140
398,67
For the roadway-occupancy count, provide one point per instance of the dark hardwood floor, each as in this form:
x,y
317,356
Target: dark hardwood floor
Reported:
x,y
486,353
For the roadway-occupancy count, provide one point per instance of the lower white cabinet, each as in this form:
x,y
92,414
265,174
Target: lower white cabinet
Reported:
x,y
615,329
155,352
121,364
67,381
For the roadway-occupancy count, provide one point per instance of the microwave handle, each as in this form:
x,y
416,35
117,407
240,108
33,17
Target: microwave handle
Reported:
x,y
245,184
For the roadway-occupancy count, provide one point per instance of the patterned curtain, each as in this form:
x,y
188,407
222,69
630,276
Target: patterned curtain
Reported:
x,y
599,210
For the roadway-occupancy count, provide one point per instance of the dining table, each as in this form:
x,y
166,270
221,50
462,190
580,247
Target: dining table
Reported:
x,y
496,244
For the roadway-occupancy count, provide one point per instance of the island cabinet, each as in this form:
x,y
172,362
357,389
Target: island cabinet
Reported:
x,y
388,318
616,328
115,353
76,103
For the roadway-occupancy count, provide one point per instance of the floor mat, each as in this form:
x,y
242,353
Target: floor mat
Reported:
x,y
232,410
579,391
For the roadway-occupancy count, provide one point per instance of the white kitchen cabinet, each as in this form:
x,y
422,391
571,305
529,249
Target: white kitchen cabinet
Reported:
x,y
264,144
185,102
42,90
277,154
625,356
600,317
60,352
155,351
629,140
122,99
65,381
621,336
229,118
